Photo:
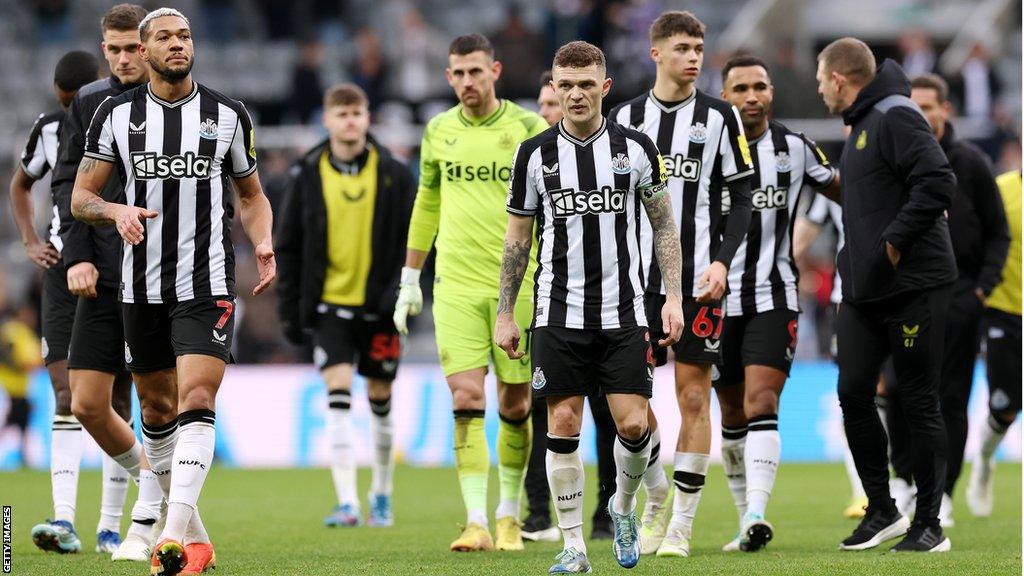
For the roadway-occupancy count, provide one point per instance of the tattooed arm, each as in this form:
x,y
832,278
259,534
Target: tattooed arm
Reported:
x,y
514,261
89,207
670,260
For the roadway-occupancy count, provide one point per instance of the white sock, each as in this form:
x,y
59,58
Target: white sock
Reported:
x,y
131,460
115,489
383,460
66,442
733,442
851,472
159,444
339,433
196,532
631,460
565,479
689,473
764,448
655,481
146,510
992,434
193,457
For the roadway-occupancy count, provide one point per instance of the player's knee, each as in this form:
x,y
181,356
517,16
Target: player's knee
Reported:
x,y
693,400
158,410
1005,417
123,407
88,413
632,427
733,416
62,401
564,421
516,410
466,398
762,403
199,398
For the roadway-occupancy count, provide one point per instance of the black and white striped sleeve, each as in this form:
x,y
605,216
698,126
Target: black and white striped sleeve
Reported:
x,y
241,155
817,211
733,149
33,158
522,191
653,176
99,140
817,170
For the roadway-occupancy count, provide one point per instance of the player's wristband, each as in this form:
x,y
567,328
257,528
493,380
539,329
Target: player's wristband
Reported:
x,y
410,276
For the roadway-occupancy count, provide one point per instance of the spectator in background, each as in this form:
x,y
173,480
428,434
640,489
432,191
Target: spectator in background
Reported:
x,y
795,87
518,73
369,71
421,50
53,20
307,90
918,53
976,88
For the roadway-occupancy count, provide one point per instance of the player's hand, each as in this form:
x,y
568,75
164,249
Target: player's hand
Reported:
x,y
266,265
129,219
893,254
671,321
42,254
410,299
82,279
506,336
713,283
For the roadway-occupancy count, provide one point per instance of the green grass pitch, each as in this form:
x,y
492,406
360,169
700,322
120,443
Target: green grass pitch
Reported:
x,y
268,522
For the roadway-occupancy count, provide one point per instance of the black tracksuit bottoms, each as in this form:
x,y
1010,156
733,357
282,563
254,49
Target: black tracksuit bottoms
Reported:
x,y
909,327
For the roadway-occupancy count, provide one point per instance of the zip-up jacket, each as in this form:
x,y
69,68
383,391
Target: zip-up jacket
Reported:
x,y
896,186
301,240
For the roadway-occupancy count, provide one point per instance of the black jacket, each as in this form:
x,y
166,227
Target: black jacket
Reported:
x,y
301,240
977,221
896,186
82,242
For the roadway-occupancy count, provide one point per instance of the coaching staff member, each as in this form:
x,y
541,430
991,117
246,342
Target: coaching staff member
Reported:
x,y
897,268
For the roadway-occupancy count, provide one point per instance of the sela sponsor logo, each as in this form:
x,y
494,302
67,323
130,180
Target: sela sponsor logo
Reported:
x,y
539,381
571,202
208,129
679,166
620,164
782,162
457,171
770,198
570,497
153,166
192,463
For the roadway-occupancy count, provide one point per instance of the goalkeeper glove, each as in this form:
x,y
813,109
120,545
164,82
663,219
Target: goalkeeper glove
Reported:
x,y
410,298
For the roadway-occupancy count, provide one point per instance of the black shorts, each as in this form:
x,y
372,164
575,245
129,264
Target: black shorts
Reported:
x,y
18,413
702,331
572,362
156,334
1004,361
58,314
346,336
97,339
761,339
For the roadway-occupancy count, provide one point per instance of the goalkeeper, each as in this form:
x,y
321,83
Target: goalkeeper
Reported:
x,y
465,164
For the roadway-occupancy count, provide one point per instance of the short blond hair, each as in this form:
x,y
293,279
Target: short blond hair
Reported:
x,y
346,94
851,58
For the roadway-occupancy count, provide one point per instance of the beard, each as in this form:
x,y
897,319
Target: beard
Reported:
x,y
171,74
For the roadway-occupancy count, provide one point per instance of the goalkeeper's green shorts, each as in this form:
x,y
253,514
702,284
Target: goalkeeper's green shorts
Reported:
x,y
464,329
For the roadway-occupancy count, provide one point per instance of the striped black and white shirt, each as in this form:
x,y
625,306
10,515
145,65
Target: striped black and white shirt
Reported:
x,y
703,147
763,275
175,158
40,156
586,195
821,211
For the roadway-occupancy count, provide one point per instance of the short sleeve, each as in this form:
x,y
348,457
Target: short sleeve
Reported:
x,y
242,152
817,211
817,170
652,177
33,157
733,149
522,191
99,140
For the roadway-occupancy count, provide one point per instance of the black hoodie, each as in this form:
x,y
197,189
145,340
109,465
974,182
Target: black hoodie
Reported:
x,y
977,221
896,186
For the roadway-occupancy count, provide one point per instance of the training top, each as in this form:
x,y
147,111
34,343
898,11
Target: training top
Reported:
x,y
465,165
